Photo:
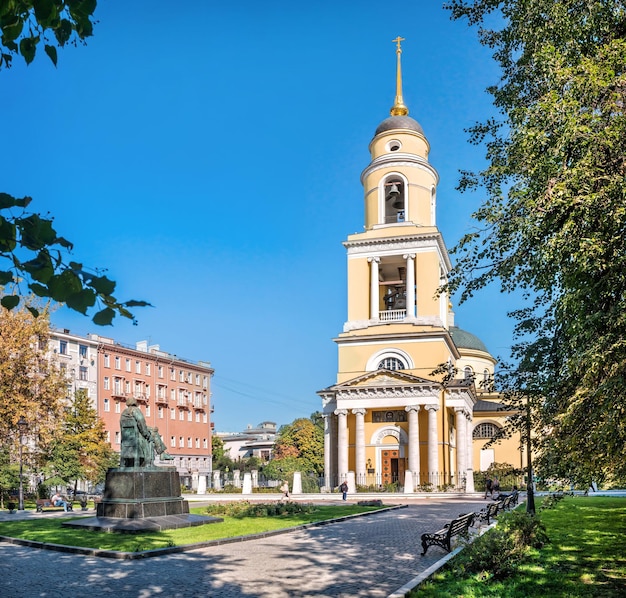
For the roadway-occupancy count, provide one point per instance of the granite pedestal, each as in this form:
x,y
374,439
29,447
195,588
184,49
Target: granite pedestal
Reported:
x,y
142,498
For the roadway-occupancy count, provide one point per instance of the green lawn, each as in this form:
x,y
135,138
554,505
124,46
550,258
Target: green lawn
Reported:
x,y
586,557
50,530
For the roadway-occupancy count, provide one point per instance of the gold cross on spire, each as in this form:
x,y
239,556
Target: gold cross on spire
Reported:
x,y
399,109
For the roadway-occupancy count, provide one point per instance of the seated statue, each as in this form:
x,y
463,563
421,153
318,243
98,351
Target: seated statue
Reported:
x,y
139,442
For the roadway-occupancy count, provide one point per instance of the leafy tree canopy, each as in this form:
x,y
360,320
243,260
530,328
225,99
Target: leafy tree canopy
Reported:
x,y
33,257
553,220
303,440
27,24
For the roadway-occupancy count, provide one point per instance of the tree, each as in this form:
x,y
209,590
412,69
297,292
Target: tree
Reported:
x,y
30,385
25,24
81,451
32,252
553,221
301,444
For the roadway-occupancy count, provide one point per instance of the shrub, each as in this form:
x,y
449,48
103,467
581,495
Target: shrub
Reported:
x,y
247,509
497,553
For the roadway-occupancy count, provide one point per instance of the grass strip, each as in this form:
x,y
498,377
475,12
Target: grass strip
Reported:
x,y
50,530
586,557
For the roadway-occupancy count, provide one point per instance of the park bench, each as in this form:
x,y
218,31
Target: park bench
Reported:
x,y
43,503
488,512
457,527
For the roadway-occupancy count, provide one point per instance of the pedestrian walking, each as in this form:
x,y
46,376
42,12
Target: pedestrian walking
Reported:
x,y
344,490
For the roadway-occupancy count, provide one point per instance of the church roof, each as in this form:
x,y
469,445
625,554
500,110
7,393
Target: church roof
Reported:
x,y
399,122
466,340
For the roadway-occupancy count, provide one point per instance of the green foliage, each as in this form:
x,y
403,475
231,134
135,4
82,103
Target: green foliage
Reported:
x,y
81,452
553,218
36,260
242,509
497,553
299,446
25,24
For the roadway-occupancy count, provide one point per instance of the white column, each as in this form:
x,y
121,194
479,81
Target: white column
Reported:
x,y
461,443
410,284
433,459
469,483
217,482
342,443
374,287
202,483
414,441
360,445
327,453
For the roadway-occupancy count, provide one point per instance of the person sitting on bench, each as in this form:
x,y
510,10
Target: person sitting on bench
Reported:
x,y
59,501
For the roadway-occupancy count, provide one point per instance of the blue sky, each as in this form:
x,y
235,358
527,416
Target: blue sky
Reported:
x,y
210,157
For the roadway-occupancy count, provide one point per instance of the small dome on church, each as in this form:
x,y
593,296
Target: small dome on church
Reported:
x,y
399,122
466,340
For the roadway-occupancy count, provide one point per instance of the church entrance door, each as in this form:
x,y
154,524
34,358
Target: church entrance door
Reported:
x,y
393,466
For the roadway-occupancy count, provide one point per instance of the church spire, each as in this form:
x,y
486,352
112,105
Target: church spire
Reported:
x,y
399,109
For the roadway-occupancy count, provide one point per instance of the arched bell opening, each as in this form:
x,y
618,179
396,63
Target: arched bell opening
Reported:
x,y
395,200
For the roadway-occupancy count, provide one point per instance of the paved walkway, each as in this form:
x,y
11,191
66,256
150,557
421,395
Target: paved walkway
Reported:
x,y
364,557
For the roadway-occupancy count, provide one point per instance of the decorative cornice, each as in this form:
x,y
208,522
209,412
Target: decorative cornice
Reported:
x,y
386,392
409,161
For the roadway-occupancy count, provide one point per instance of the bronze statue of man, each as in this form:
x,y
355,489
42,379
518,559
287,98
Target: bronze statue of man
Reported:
x,y
139,441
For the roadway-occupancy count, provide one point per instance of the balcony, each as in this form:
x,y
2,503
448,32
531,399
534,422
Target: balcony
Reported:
x,y
392,315
161,400
116,393
141,397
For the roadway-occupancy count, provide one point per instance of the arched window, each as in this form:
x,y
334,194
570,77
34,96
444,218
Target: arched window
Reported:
x,y
486,430
391,363
468,374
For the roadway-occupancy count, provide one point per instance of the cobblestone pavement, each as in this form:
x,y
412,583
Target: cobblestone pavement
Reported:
x,y
364,557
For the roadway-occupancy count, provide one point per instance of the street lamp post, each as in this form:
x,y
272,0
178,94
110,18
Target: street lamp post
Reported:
x,y
22,426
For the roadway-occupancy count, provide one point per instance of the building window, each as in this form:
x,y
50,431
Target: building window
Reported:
x,y
205,382
197,379
172,413
486,430
181,415
108,436
468,374
118,362
82,351
204,443
205,418
391,363
82,373
128,365
197,443
181,442
197,417
189,445
118,407
127,384
107,383
181,376
107,406
147,369
147,410
107,361
173,441
63,347
189,416
172,374
137,367
117,437
160,412
160,371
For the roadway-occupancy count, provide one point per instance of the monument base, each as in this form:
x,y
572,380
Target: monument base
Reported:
x,y
142,499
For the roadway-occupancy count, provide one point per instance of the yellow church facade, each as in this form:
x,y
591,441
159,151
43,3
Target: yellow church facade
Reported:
x,y
389,418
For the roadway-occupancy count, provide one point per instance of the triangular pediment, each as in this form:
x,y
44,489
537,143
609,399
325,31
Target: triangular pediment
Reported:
x,y
383,378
